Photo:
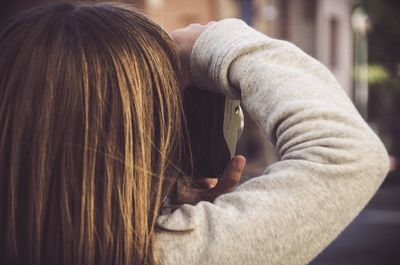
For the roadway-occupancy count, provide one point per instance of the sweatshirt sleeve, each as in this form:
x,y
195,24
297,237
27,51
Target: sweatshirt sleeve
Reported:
x,y
331,161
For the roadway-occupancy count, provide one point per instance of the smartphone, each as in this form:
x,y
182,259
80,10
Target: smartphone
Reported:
x,y
214,123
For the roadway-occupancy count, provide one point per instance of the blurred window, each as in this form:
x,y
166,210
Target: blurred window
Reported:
x,y
246,11
333,39
310,7
284,18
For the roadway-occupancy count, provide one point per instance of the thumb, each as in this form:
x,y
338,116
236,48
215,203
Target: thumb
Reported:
x,y
231,176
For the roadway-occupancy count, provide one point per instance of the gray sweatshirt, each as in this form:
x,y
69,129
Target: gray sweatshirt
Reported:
x,y
331,161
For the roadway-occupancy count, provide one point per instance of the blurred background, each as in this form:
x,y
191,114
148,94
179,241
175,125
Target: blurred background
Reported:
x,y
359,41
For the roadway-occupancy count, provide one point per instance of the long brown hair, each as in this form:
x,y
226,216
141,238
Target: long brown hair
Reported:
x,y
90,130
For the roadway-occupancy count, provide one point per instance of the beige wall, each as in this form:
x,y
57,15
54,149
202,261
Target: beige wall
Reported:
x,y
173,14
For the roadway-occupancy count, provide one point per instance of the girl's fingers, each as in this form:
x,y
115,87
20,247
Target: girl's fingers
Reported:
x,y
229,180
206,183
211,188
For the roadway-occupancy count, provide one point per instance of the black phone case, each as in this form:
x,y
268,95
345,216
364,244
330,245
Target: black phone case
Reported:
x,y
204,113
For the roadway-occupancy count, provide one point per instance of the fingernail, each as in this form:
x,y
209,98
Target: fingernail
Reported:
x,y
239,162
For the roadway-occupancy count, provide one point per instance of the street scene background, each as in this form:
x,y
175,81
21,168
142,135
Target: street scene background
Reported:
x,y
359,41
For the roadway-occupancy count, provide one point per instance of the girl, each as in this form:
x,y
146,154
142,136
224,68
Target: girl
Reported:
x,y
91,136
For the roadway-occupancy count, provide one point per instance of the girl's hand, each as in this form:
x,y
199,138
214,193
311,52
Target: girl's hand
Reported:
x,y
207,188
211,188
184,39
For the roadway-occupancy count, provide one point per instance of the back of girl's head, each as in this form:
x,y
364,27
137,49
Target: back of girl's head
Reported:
x,y
89,125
